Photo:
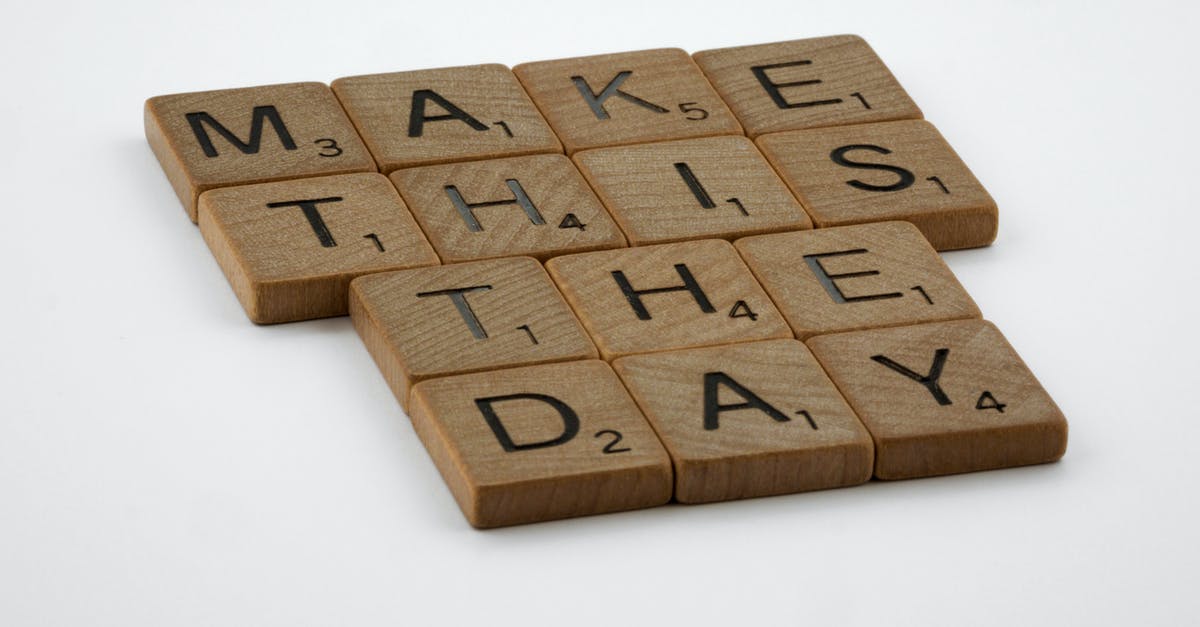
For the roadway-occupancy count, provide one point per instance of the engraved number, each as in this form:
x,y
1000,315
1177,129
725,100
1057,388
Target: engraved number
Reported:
x,y
991,402
571,221
504,126
737,203
375,238
329,147
529,332
611,446
939,183
690,108
865,104
807,416
920,290
742,310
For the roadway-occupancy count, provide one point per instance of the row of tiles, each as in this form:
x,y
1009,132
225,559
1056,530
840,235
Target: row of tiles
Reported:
x,y
317,234
385,122
736,421
437,321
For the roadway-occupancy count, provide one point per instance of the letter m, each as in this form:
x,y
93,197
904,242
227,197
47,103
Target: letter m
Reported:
x,y
201,121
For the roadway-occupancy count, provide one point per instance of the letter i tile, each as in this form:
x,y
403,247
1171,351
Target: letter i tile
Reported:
x,y
541,443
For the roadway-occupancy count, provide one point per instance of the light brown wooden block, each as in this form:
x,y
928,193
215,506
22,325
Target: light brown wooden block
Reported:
x,y
856,277
807,83
541,443
943,398
449,114
747,420
210,139
655,298
537,205
691,189
626,98
888,171
460,318
290,248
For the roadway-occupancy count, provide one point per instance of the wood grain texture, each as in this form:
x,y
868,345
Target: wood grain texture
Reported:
x,y
461,113
561,214
983,410
806,83
559,462
720,304
508,314
850,278
285,264
691,189
275,132
890,171
731,419
631,97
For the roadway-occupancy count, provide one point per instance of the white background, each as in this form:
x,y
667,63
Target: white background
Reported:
x,y
165,462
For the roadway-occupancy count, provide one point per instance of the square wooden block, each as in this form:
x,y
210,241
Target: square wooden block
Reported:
x,y
541,443
806,83
691,189
856,277
748,420
460,318
888,171
449,114
626,98
290,248
537,205
655,298
943,398
211,139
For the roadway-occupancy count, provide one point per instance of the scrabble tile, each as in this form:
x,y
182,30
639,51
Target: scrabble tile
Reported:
x,y
626,98
537,205
541,443
888,171
691,189
291,248
460,318
942,398
449,114
654,298
747,420
855,277
210,139
806,83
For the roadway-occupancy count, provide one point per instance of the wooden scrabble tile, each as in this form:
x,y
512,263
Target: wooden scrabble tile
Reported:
x,y
747,420
888,171
290,248
626,98
210,139
449,114
691,189
806,83
942,398
541,443
537,205
460,318
654,298
855,277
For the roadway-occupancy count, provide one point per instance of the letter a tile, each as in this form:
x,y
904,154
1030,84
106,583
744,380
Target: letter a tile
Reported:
x,y
653,298
467,317
449,114
210,139
849,278
626,98
747,420
807,83
541,443
943,398
888,171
